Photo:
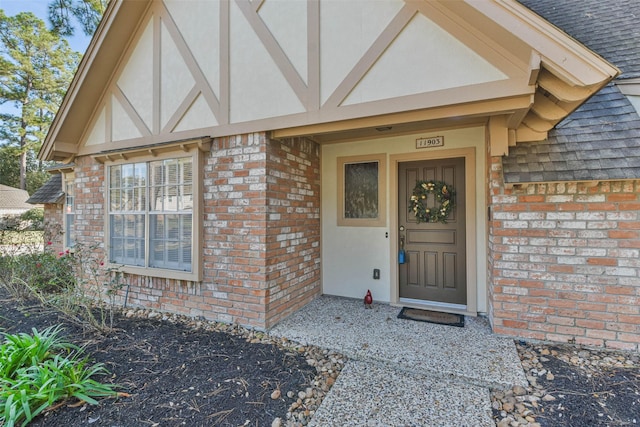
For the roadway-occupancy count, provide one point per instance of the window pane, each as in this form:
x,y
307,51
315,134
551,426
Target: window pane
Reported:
x,y
138,199
172,172
173,253
157,253
117,254
127,239
114,200
156,224
115,175
127,175
361,190
186,203
173,229
70,235
171,241
117,226
187,171
156,195
186,255
140,174
158,191
186,227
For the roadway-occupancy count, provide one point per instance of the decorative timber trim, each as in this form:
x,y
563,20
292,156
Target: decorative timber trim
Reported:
x,y
203,144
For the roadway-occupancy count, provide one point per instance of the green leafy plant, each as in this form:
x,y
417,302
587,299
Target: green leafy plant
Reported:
x,y
25,274
75,282
40,369
21,350
34,218
92,300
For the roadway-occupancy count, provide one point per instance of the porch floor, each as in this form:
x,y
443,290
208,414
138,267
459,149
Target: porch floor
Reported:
x,y
404,372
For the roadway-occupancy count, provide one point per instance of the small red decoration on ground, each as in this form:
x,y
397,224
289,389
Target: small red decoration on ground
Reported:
x,y
368,299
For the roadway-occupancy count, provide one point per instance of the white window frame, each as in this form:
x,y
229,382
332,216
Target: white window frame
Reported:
x,y
69,210
196,215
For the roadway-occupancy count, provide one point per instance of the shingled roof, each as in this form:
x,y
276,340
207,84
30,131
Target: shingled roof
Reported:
x,y
50,192
13,199
601,139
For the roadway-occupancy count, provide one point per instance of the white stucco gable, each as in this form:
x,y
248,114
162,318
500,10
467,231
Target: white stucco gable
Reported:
x,y
181,70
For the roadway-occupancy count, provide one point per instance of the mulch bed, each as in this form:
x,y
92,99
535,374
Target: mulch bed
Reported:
x,y
572,386
606,396
175,374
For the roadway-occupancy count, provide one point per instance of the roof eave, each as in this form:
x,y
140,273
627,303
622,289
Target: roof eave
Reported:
x,y
565,72
92,76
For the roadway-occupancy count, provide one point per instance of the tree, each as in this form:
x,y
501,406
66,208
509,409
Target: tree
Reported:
x,y
86,12
36,67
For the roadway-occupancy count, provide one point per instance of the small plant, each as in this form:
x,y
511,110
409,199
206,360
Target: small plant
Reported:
x,y
41,369
33,219
75,282
91,302
25,274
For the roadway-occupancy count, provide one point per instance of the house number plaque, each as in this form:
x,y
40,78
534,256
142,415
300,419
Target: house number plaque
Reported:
x,y
432,141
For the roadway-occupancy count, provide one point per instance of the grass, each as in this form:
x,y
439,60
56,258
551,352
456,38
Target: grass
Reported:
x,y
39,369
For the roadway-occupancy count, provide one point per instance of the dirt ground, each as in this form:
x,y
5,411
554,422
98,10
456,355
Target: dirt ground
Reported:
x,y
175,375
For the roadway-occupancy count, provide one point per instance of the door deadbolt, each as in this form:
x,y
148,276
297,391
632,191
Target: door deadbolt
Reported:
x,y
402,228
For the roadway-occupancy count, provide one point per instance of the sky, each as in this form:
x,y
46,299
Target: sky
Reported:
x,y
78,42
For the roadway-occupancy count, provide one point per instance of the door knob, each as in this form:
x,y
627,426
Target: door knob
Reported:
x,y
402,228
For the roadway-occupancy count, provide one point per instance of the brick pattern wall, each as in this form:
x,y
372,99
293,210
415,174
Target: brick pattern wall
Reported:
x,y
293,226
261,237
235,213
90,203
53,226
564,261
262,227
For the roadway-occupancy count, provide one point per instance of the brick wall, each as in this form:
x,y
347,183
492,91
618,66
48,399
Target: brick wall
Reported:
x,y
262,227
235,208
89,203
261,237
564,261
293,226
53,227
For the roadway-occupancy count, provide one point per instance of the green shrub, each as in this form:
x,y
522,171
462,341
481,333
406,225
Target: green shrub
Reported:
x,y
75,282
33,218
40,369
46,272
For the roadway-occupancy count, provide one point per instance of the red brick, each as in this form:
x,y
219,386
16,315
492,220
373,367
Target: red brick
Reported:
x,y
621,197
602,261
618,234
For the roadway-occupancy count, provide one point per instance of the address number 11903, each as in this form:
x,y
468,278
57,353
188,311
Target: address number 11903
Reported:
x,y
434,141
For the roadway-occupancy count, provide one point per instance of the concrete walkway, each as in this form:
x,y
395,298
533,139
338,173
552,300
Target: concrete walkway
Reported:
x,y
403,372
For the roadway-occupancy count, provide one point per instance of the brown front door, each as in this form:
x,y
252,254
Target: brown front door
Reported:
x,y
435,267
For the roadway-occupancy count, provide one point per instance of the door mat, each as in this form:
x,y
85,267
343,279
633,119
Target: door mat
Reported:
x,y
432,317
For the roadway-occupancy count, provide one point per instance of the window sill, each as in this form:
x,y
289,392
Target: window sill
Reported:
x,y
158,272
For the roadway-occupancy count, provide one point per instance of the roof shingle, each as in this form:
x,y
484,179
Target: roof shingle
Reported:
x,y
13,198
601,139
50,192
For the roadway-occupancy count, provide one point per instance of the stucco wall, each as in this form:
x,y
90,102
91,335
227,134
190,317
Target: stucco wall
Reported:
x,y
350,254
